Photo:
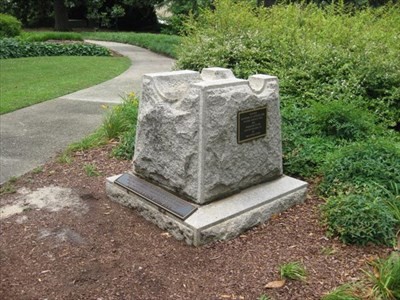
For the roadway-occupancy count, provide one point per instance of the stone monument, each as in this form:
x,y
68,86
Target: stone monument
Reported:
x,y
208,156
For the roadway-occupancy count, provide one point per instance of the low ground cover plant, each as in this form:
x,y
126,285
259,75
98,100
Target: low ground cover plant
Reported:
x,y
369,162
15,48
361,218
309,134
361,183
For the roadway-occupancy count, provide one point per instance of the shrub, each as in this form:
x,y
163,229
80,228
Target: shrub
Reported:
x,y
9,26
373,161
303,156
319,54
12,48
342,120
360,219
309,134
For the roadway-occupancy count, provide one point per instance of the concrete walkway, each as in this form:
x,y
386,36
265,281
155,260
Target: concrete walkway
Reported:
x,y
31,136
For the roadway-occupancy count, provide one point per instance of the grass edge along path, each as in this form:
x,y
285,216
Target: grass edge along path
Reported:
x,y
159,43
28,81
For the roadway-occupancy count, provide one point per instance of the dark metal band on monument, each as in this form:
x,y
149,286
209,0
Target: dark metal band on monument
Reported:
x,y
156,195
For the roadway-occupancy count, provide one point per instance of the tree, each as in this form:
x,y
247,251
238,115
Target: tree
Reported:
x,y
60,16
104,13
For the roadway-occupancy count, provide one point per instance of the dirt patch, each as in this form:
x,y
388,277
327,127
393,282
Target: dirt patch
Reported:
x,y
51,198
110,252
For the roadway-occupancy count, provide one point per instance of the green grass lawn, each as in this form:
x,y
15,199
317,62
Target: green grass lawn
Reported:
x,y
160,43
27,81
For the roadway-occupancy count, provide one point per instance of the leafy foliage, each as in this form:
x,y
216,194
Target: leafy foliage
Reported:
x,y
310,134
360,219
9,26
319,54
373,161
13,48
385,278
342,120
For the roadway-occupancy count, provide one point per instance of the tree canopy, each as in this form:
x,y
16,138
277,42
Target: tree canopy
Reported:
x,y
128,14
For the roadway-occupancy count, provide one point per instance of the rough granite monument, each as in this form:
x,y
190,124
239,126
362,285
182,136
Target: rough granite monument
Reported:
x,y
208,156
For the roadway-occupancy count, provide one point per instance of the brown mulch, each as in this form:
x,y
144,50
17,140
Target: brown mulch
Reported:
x,y
111,252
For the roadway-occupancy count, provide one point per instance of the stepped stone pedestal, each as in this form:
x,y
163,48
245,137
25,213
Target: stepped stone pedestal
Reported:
x,y
208,156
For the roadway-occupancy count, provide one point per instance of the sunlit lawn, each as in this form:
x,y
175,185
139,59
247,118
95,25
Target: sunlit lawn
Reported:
x,y
26,81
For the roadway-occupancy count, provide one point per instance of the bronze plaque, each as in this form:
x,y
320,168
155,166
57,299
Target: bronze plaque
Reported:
x,y
156,195
251,124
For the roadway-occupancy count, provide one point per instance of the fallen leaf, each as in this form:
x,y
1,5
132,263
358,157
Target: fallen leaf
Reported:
x,y
275,284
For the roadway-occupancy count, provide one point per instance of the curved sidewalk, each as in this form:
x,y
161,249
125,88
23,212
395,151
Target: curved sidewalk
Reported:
x,y
32,135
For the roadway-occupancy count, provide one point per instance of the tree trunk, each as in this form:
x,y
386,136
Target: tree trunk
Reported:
x,y
269,3
60,16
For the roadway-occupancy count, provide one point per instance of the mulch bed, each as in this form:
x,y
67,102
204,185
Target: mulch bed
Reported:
x,y
111,252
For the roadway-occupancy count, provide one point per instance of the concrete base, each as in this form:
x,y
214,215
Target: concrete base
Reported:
x,y
223,219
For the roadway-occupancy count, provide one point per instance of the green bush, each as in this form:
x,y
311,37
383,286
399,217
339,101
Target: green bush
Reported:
x,y
309,134
303,156
9,26
342,120
370,162
319,54
13,48
360,219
